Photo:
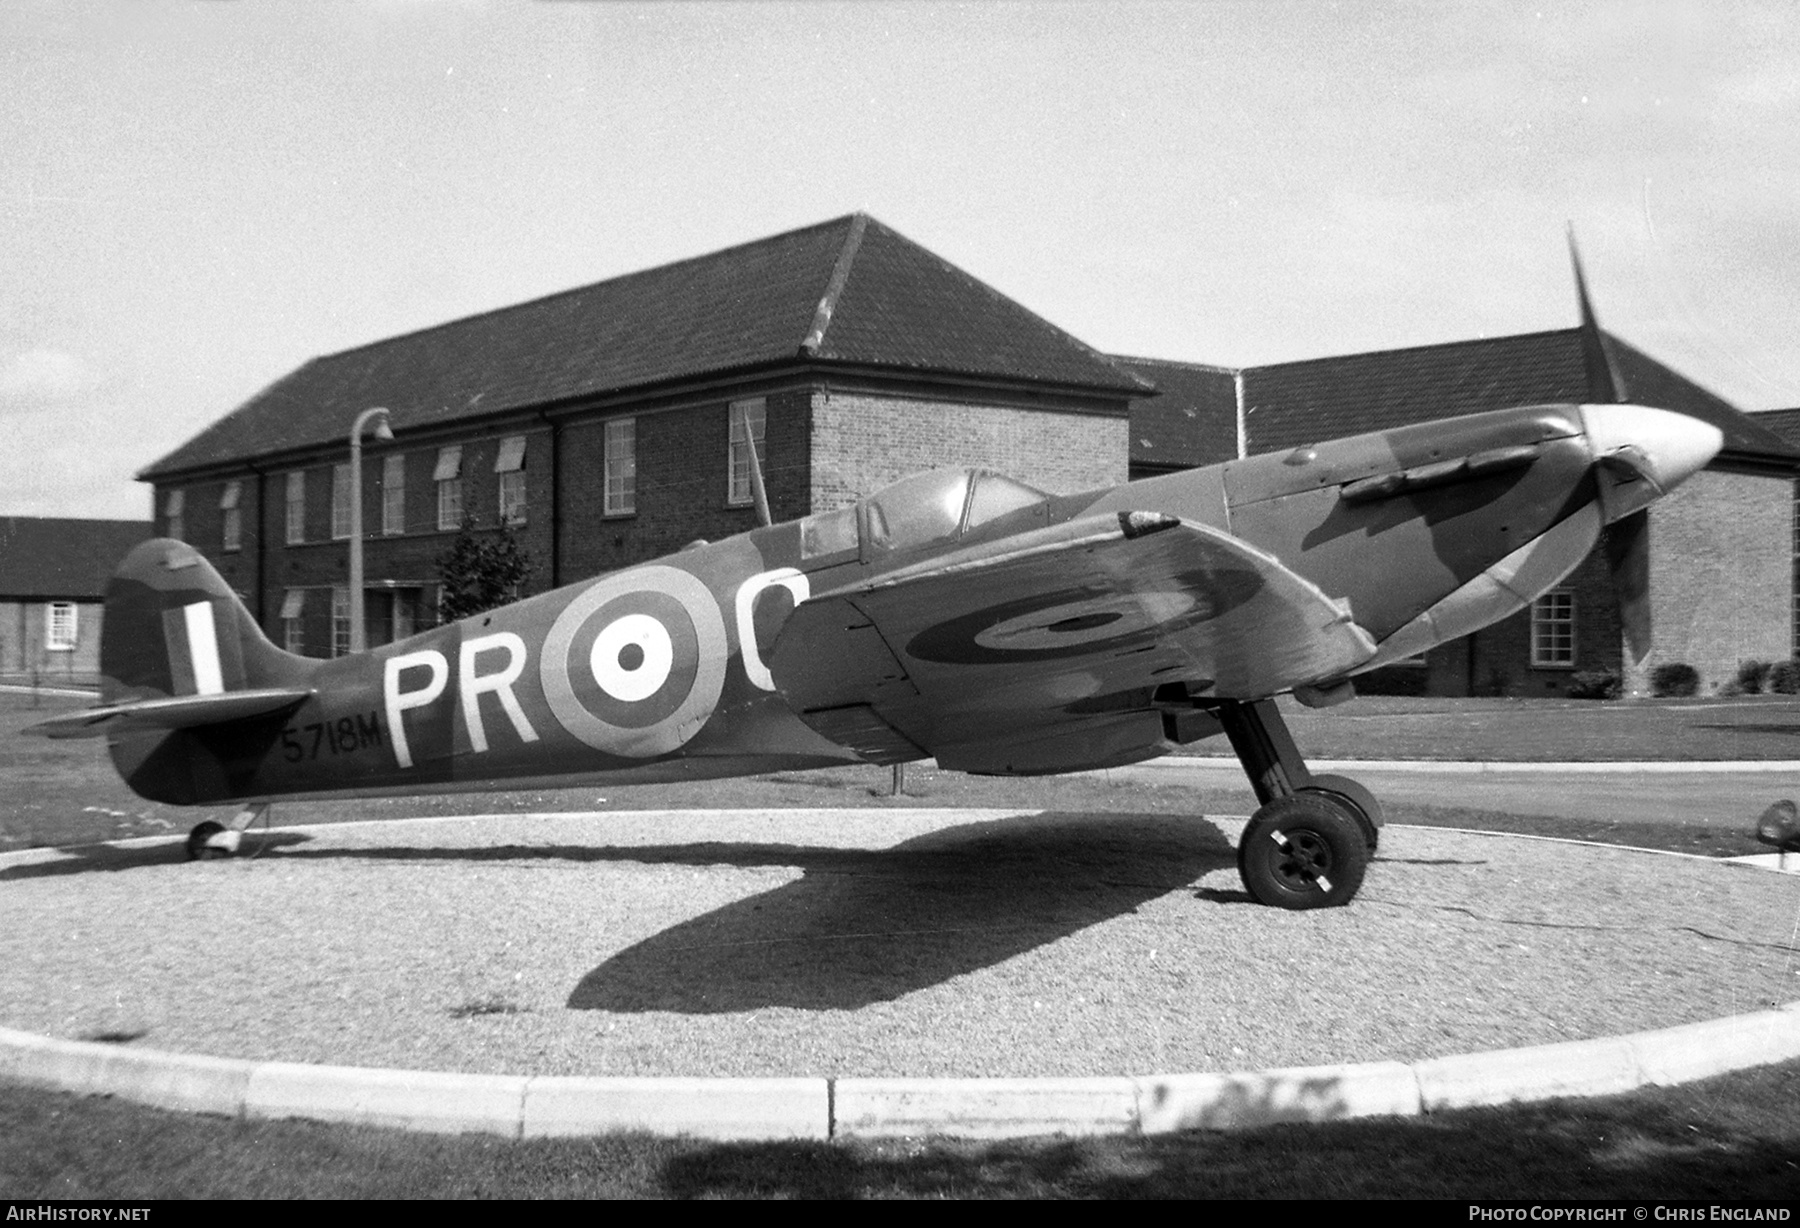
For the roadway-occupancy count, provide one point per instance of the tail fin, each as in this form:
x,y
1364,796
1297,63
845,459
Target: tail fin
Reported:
x,y
174,628
179,650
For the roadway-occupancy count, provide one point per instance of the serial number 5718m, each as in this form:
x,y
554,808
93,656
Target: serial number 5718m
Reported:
x,y
344,736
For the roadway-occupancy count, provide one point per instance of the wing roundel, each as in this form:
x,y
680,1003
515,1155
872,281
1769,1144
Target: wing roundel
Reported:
x,y
1049,627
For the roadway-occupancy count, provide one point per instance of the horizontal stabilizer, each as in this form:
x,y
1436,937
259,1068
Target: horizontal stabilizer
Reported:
x,y
178,712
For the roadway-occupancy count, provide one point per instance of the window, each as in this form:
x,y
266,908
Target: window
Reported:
x,y
59,627
1553,629
231,525
748,420
448,476
172,517
296,508
340,621
510,465
340,502
293,626
621,467
393,495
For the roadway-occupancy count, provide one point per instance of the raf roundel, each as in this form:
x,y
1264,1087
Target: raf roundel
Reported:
x,y
635,664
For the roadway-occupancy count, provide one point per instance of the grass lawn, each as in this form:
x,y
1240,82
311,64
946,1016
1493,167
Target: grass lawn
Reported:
x,y
1760,727
1735,1137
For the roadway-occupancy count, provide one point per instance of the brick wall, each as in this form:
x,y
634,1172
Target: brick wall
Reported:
x,y
863,441
682,465
1502,653
1721,576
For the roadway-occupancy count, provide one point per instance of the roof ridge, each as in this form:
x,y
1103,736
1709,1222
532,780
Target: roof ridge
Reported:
x,y
1184,364
585,287
956,270
1466,342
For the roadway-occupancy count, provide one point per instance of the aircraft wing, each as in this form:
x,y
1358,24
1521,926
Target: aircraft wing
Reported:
x,y
175,712
1055,639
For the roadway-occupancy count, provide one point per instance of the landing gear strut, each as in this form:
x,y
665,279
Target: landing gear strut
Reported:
x,y
210,840
1309,843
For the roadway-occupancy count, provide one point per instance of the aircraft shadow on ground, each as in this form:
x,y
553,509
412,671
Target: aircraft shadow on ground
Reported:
x,y
860,926
111,858
865,926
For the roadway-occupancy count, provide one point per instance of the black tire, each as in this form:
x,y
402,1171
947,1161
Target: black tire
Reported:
x,y
1302,852
197,848
1343,791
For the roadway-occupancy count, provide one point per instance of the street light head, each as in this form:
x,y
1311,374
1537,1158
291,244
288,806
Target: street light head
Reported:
x,y
383,432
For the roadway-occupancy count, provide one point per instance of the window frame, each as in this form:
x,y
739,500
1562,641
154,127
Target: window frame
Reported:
x,y
618,468
1553,630
510,487
448,476
174,515
340,502
393,495
293,621
295,504
340,620
62,626
753,413
231,517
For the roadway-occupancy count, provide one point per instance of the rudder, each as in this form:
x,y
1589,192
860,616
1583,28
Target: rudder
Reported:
x,y
173,627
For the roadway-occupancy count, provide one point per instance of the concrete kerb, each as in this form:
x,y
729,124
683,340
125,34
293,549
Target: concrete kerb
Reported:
x,y
744,1109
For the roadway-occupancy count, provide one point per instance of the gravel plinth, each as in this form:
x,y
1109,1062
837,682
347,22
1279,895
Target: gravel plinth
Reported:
x,y
873,943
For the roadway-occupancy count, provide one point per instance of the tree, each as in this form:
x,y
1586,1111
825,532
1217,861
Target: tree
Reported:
x,y
479,573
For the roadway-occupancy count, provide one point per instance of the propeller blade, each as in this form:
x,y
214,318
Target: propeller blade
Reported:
x,y
1605,386
1628,556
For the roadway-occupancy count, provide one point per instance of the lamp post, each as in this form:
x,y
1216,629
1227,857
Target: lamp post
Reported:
x,y
359,635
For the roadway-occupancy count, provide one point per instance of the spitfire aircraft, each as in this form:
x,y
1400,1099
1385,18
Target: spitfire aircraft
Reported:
x,y
956,614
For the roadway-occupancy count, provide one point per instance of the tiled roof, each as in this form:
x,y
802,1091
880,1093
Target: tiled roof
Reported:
x,y
1289,404
1191,421
1784,422
47,559
848,291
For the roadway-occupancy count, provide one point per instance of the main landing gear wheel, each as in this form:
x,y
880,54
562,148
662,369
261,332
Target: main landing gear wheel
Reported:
x,y
1303,852
199,842
1346,793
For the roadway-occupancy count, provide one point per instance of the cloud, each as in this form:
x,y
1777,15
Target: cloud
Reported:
x,y
45,375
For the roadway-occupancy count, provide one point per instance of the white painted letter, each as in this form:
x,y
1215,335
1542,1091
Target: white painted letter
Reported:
x,y
790,578
398,701
473,685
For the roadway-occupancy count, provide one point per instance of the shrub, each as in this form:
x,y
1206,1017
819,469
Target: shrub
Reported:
x,y
1675,680
1784,677
1596,684
1752,676
478,574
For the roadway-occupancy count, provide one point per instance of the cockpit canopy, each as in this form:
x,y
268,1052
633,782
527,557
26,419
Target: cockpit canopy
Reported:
x,y
938,506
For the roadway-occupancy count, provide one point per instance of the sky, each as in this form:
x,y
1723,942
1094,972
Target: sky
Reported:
x,y
201,196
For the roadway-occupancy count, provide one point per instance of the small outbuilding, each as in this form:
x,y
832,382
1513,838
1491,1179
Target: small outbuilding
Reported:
x,y
53,575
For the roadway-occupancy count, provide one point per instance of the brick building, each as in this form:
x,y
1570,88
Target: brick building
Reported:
x,y
1722,547
53,575
607,424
